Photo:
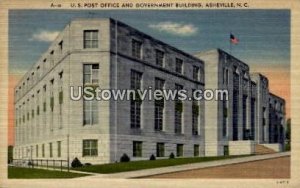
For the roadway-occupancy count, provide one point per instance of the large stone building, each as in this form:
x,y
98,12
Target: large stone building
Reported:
x,y
113,55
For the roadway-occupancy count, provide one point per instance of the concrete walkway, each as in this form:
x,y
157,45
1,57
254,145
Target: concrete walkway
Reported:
x,y
155,171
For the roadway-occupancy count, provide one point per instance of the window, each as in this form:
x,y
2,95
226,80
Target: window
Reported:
x,y
50,150
89,148
90,74
43,150
159,106
159,58
195,73
137,149
225,116
58,148
179,150
135,104
178,111
195,116
52,103
160,149
90,77
90,39
136,48
37,151
179,64
90,112
196,150
60,44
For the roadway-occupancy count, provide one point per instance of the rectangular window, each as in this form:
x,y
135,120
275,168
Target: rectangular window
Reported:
x,y
135,104
50,150
90,39
60,97
58,148
159,106
178,111
90,112
179,150
90,78
136,48
195,116
179,63
37,151
52,103
38,110
90,74
32,113
44,106
89,148
137,149
195,73
43,150
160,149
159,58
196,150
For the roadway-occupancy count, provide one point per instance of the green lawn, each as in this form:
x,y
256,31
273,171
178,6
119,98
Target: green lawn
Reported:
x,y
139,165
29,173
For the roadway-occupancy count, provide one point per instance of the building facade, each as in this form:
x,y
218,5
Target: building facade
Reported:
x,y
109,54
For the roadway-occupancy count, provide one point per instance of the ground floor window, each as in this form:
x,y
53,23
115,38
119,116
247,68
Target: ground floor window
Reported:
x,y
58,148
137,149
50,150
37,151
160,149
226,150
43,150
89,148
179,150
196,150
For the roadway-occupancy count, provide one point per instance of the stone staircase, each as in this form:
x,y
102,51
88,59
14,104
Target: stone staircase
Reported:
x,y
261,150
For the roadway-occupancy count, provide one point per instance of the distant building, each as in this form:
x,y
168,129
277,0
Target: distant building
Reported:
x,y
112,55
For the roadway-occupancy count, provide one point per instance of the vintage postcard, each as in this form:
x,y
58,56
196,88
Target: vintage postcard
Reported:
x,y
149,93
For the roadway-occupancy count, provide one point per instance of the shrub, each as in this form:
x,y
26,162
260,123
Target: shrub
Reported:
x,y
152,158
124,158
87,164
172,156
76,163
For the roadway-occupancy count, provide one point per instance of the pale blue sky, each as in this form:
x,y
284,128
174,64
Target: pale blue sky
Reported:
x,y
264,35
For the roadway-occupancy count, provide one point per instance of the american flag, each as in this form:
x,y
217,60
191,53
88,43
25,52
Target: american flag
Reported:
x,y
233,39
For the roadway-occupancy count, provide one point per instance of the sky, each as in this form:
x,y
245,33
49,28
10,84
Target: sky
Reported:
x,y
264,37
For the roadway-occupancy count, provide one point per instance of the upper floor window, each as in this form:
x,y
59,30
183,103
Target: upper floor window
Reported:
x,y
195,73
179,63
90,39
60,44
91,74
159,58
136,48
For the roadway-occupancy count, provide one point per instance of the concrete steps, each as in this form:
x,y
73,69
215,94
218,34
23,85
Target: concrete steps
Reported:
x,y
261,150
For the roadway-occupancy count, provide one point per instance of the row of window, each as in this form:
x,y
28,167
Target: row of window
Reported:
x,y
135,107
136,47
90,148
40,150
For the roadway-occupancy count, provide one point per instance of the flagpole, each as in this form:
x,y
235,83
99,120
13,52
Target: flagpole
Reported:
x,y
230,45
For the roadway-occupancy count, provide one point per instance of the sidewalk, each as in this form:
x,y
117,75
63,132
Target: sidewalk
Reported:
x,y
155,171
